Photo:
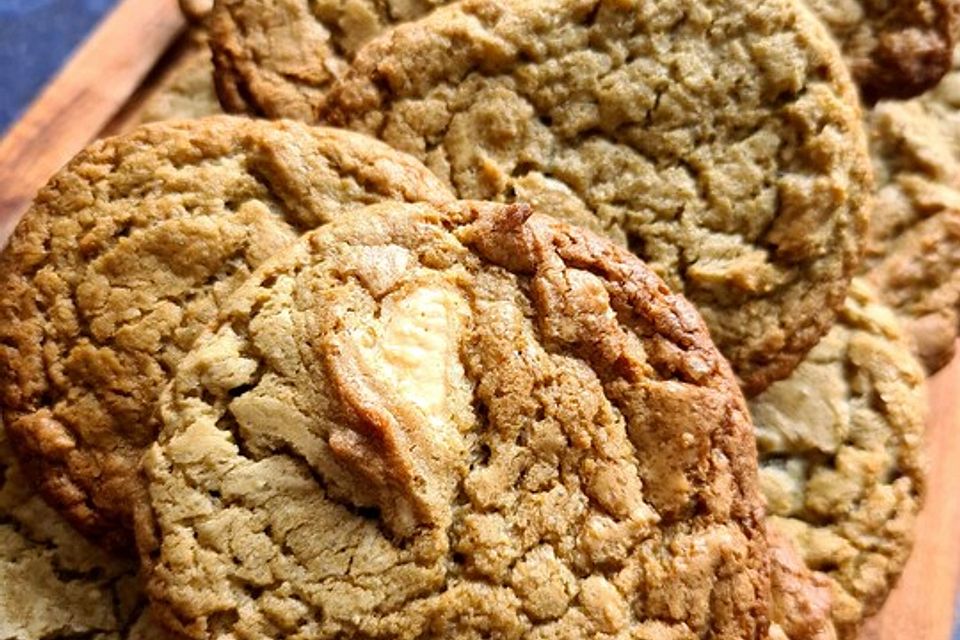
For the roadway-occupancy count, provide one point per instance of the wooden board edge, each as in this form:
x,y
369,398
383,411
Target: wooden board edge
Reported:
x,y
94,85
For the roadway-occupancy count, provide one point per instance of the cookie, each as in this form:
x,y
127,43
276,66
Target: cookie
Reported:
x,y
913,253
896,48
125,256
186,90
463,421
613,139
801,602
275,58
719,140
841,461
53,583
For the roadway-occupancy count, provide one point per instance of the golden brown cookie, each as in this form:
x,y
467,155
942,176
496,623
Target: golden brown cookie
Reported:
x,y
53,583
913,254
124,257
455,422
801,603
186,90
275,58
719,139
737,170
841,460
630,142
895,48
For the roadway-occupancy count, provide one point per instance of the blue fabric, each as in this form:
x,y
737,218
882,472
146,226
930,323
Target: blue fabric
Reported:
x,y
956,618
36,38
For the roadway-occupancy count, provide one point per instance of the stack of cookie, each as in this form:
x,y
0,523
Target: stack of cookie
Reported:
x,y
450,334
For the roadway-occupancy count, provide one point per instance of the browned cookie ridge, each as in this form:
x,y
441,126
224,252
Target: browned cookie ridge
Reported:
x,y
895,48
719,139
801,603
123,258
457,422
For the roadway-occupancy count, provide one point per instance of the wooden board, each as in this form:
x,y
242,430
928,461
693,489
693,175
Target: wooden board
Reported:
x,y
82,99
129,49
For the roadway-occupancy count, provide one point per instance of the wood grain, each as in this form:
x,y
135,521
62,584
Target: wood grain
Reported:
x,y
921,607
81,100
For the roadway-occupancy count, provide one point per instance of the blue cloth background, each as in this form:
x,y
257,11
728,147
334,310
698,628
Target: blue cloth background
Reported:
x,y
36,38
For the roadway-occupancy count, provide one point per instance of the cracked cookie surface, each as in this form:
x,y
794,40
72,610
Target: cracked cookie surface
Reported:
x,y
841,459
913,252
124,257
466,421
275,58
894,48
54,583
719,140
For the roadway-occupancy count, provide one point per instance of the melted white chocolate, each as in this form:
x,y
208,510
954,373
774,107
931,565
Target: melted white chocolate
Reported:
x,y
414,346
